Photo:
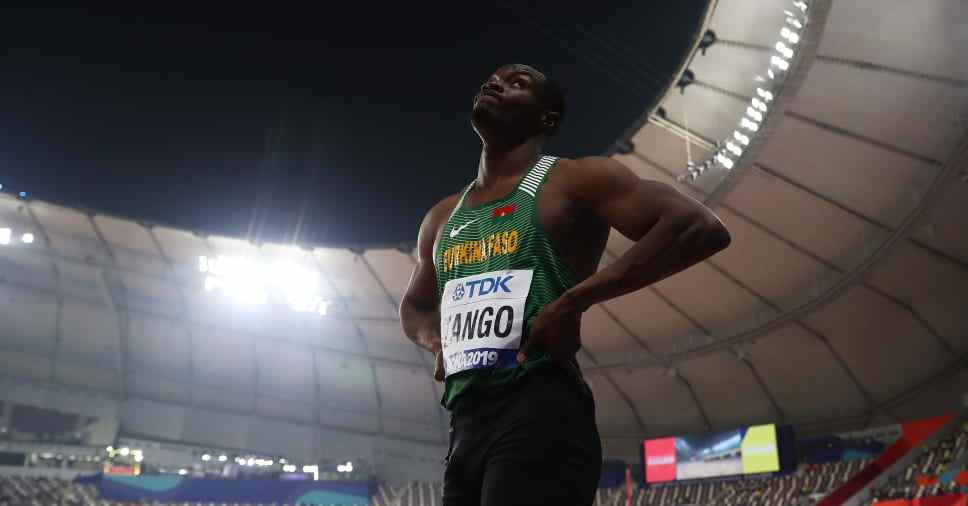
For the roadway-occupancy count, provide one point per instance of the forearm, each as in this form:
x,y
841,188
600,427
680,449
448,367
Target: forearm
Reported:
x,y
672,245
421,324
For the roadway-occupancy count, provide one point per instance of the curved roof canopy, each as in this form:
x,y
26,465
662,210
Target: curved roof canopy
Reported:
x,y
840,304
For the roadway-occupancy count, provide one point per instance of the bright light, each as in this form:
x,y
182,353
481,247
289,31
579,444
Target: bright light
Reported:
x,y
794,22
23,195
109,449
206,457
183,472
779,63
349,467
251,461
254,282
753,113
749,125
282,461
759,104
289,468
733,148
789,35
27,238
744,140
345,468
222,458
784,50
269,462
723,159
800,5
766,95
5,236
139,458
770,73
312,469
125,451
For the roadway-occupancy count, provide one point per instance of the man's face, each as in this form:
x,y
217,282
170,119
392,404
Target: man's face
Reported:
x,y
510,97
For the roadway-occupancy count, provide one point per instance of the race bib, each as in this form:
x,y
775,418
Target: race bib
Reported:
x,y
482,319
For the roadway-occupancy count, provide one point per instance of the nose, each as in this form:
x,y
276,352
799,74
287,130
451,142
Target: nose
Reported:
x,y
493,83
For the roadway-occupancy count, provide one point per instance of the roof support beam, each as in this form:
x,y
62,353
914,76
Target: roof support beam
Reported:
x,y
55,271
112,299
183,309
947,173
373,376
660,359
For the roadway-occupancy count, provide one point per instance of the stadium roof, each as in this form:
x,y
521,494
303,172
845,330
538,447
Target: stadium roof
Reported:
x,y
840,303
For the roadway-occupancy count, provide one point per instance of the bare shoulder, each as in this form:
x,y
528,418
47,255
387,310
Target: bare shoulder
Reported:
x,y
442,209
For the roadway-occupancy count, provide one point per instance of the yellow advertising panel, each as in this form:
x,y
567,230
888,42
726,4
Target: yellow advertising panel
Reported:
x,y
759,450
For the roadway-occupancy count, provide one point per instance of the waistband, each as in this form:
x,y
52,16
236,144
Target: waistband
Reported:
x,y
493,397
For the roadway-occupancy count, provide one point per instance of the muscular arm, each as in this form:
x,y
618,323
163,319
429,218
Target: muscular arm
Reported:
x,y
671,231
419,309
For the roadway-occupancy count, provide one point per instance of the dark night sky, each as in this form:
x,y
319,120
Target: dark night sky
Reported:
x,y
334,126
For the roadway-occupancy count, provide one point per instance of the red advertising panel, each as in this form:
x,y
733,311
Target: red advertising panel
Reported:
x,y
660,460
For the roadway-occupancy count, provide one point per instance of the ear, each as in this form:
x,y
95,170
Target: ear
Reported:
x,y
551,120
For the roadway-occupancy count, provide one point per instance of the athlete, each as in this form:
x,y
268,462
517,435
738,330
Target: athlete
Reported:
x,y
505,270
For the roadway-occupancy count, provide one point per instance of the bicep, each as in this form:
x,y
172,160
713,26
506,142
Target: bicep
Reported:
x,y
422,289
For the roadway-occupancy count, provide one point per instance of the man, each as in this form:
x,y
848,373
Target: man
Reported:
x,y
504,271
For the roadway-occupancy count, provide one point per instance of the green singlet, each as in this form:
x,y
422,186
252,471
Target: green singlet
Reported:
x,y
498,236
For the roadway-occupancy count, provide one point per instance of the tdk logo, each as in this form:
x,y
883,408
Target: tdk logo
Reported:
x,y
481,287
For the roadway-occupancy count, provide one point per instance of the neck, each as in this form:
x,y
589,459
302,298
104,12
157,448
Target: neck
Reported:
x,y
500,161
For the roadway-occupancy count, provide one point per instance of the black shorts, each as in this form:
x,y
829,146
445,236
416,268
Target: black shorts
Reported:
x,y
535,445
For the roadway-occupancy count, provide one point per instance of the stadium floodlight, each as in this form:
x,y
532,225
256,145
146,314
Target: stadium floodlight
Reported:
x,y
753,113
752,126
206,457
759,104
289,468
269,462
22,195
256,283
725,161
789,35
125,451
27,238
742,139
800,5
770,73
779,63
784,50
5,234
764,94
283,461
734,149
794,22
182,472
109,449
222,458
139,458
250,462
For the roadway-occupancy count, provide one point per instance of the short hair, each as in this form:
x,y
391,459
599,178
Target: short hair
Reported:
x,y
550,93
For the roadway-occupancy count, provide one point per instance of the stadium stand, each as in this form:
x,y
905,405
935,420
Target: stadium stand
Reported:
x,y
934,473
